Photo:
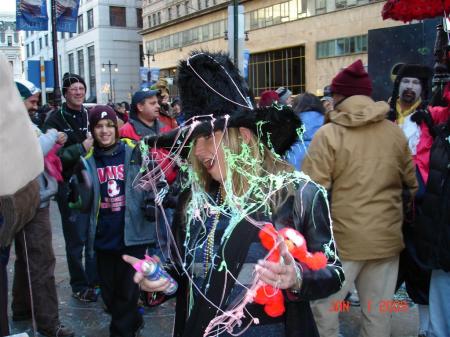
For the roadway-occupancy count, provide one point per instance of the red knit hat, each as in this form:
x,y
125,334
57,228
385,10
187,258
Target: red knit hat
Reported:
x,y
268,97
353,80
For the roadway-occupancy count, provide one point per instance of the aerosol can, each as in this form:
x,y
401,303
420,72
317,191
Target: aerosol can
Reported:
x,y
153,270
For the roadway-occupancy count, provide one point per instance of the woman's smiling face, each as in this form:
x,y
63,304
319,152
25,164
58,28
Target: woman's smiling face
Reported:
x,y
208,151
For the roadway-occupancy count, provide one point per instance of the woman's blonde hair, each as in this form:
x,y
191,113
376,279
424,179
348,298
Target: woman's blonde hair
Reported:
x,y
257,161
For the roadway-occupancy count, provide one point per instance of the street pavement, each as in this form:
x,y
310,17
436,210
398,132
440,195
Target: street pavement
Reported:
x,y
90,320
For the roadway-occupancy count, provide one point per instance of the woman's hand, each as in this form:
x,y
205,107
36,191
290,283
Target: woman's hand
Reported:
x,y
280,275
146,284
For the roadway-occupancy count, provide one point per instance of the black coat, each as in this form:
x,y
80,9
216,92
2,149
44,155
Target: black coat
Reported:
x,y
432,232
73,149
305,211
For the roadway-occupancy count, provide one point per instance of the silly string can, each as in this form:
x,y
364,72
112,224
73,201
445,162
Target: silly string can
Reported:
x,y
153,270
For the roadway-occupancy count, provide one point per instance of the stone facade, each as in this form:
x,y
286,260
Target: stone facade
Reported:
x,y
338,19
99,42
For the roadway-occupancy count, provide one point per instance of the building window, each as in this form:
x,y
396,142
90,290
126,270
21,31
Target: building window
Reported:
x,y
9,40
46,40
139,20
16,37
159,18
154,19
276,14
169,13
302,7
341,47
63,35
40,43
206,3
341,4
71,63
205,33
32,48
91,60
283,67
186,7
70,35
80,56
117,16
80,23
202,33
199,4
178,10
90,19
28,50
321,5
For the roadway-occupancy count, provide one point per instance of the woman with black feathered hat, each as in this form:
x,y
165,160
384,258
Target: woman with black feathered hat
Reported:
x,y
235,183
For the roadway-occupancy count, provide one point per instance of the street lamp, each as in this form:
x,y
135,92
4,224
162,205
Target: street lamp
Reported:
x,y
109,64
147,55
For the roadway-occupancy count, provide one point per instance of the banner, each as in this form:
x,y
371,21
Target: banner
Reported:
x,y
154,75
148,76
34,73
31,15
246,60
66,15
143,74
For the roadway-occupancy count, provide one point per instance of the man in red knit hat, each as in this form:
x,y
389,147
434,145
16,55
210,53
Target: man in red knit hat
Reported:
x,y
363,160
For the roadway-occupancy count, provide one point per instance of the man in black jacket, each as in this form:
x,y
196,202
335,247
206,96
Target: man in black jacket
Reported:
x,y
73,119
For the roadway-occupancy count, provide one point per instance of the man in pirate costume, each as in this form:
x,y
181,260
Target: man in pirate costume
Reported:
x,y
236,182
73,119
409,110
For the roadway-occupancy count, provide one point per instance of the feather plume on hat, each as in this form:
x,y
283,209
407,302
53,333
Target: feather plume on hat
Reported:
x,y
215,96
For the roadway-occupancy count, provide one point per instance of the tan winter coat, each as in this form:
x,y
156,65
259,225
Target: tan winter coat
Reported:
x,y
364,161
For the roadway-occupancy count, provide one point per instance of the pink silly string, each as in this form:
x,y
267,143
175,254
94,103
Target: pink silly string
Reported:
x,y
233,318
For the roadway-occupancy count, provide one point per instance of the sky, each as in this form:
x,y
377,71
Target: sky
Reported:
x,y
8,6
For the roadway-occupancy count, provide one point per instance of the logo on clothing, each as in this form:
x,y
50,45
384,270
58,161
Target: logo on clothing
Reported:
x,y
110,173
103,115
113,188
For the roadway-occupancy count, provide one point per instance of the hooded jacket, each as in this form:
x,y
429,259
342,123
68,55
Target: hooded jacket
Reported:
x,y
312,120
364,160
137,229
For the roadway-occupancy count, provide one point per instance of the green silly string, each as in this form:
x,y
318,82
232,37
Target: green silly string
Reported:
x,y
143,147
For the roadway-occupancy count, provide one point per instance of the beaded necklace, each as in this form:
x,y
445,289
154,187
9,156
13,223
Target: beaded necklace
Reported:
x,y
208,250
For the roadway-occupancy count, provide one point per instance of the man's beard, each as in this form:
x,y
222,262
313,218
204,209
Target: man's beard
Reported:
x,y
410,96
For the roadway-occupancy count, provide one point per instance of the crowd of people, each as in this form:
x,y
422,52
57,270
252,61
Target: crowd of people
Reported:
x,y
204,180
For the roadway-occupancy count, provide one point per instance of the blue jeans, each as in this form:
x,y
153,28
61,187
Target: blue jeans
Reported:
x,y
439,304
76,235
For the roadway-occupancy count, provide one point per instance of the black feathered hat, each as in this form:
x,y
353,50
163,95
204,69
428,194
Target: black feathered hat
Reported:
x,y
215,96
209,83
